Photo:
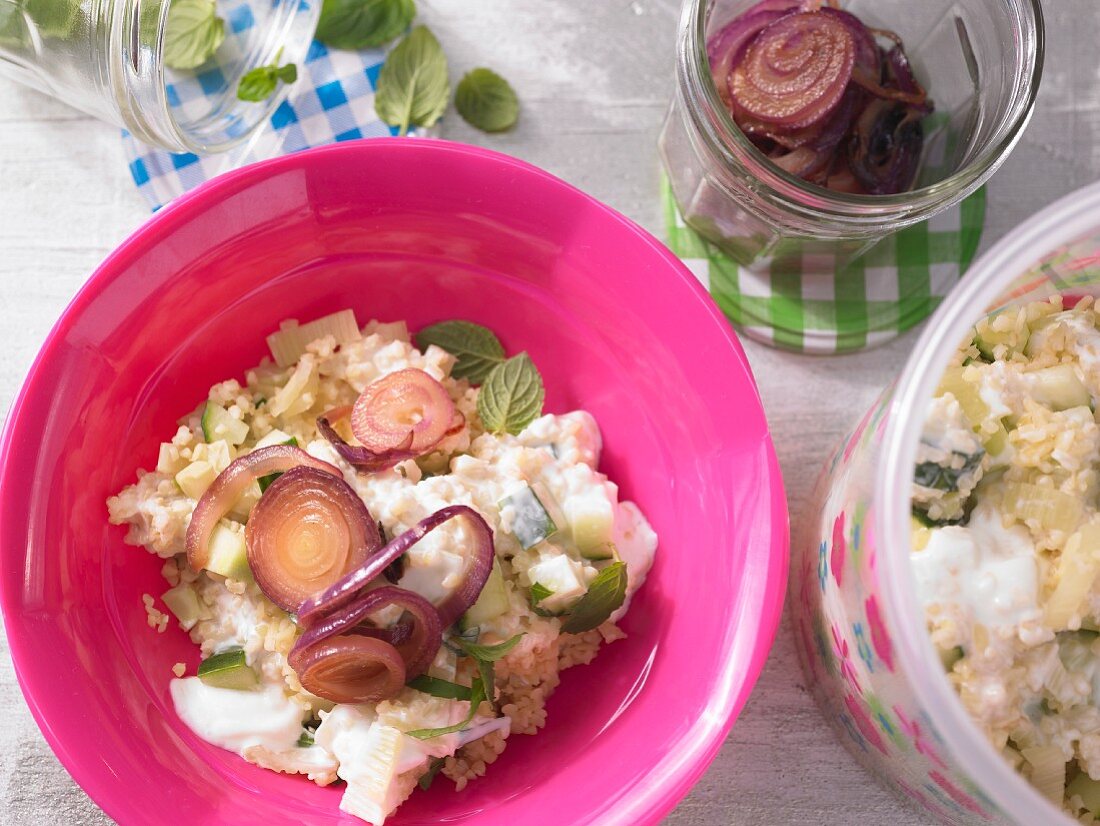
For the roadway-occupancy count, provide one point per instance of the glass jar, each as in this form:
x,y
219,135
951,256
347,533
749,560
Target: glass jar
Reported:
x,y
106,57
980,60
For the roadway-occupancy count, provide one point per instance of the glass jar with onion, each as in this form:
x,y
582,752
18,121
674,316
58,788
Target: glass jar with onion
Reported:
x,y
812,126
167,70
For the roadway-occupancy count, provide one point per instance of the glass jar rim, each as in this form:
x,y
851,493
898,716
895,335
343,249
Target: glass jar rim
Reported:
x,y
1063,222
725,136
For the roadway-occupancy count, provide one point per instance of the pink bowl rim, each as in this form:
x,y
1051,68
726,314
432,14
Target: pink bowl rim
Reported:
x,y
765,604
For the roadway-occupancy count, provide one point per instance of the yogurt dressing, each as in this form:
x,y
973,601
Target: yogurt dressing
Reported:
x,y
238,720
986,570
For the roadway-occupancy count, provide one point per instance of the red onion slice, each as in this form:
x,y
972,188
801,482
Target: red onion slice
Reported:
x,y
349,669
795,71
417,642
866,49
728,43
358,456
479,564
223,493
308,530
886,147
400,403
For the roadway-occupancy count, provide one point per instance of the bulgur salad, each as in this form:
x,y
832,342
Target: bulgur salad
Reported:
x,y
1006,541
386,554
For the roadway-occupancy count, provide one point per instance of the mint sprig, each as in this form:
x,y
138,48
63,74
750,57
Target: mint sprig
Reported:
x,y
476,349
363,24
487,101
260,83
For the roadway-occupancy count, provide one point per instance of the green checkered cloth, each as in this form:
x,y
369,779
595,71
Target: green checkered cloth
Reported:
x,y
793,304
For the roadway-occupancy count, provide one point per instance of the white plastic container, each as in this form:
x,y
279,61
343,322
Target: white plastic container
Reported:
x,y
859,626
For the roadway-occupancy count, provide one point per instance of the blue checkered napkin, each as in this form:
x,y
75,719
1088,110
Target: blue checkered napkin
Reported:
x,y
332,100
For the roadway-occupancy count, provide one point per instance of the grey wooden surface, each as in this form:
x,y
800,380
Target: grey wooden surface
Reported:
x,y
593,77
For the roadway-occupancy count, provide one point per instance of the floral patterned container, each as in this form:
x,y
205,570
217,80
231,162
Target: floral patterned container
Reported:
x,y
858,624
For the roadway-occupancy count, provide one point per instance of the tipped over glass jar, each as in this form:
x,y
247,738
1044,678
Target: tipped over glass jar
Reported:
x,y
761,86
108,58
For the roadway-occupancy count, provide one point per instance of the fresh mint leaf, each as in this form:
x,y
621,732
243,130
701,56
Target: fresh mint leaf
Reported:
x,y
192,33
439,688
477,695
605,595
476,348
487,101
363,24
511,397
488,653
413,85
425,781
260,83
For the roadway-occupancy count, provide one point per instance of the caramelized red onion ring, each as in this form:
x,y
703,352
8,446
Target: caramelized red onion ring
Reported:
x,y
479,564
223,493
795,71
349,669
730,41
308,531
886,146
417,641
358,456
782,69
399,404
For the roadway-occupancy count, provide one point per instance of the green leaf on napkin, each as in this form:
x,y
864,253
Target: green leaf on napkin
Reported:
x,y
511,397
192,33
363,24
476,349
487,101
260,83
413,84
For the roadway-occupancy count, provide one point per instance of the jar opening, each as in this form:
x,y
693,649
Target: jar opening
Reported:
x,y
971,142
988,286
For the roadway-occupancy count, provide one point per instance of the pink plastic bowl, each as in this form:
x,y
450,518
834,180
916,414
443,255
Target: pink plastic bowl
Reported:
x,y
422,231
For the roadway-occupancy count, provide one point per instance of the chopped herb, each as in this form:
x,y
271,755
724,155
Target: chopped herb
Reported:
x,y
539,592
939,477
512,396
425,781
439,688
605,595
305,739
476,349
488,653
487,101
265,481
477,695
